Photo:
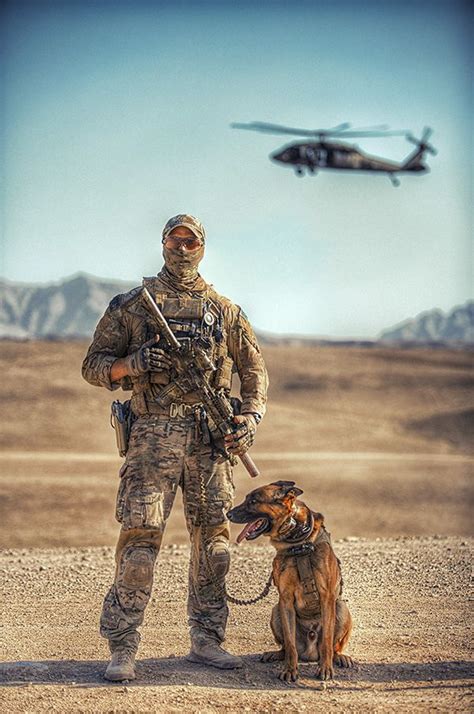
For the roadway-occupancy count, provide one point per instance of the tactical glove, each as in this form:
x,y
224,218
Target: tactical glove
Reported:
x,y
147,359
242,439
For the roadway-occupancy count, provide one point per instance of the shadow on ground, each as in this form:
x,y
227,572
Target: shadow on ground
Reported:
x,y
177,671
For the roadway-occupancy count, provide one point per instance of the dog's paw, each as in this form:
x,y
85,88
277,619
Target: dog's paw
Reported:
x,y
342,660
272,656
288,674
325,672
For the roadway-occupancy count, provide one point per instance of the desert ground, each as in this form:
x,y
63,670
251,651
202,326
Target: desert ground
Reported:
x,y
379,439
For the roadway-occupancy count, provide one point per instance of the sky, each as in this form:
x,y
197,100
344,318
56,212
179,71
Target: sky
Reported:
x,y
116,116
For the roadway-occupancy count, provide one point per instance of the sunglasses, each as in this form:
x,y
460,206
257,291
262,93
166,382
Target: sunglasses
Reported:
x,y
187,243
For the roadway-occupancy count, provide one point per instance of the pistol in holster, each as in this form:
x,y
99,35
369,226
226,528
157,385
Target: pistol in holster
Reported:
x,y
121,419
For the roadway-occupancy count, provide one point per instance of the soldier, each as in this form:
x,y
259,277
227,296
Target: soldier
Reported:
x,y
167,447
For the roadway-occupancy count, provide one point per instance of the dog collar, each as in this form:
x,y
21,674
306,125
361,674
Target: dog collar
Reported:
x,y
294,532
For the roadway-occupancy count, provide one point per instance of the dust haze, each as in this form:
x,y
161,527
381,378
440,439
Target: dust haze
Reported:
x,y
378,439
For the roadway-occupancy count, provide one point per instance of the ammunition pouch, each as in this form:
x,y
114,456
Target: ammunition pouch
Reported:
x,y
121,420
223,375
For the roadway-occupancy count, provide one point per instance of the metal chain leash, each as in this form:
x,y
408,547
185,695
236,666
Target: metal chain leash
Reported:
x,y
220,587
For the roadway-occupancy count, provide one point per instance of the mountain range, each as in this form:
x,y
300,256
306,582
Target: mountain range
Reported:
x,y
73,306
456,326
69,308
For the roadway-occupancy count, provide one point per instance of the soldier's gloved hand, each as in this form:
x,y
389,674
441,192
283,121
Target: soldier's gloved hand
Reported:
x,y
242,439
147,359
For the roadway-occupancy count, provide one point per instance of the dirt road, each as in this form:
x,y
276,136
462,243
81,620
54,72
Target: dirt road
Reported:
x,y
409,598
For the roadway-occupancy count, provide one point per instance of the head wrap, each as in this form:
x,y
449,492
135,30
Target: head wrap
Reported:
x,y
181,267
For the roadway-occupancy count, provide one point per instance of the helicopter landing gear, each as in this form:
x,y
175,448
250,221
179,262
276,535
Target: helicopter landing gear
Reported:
x,y
312,170
299,171
394,180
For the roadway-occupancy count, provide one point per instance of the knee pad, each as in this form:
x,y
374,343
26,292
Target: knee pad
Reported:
x,y
138,565
219,555
135,576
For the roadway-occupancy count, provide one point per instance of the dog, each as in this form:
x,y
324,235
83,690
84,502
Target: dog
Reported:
x,y
310,622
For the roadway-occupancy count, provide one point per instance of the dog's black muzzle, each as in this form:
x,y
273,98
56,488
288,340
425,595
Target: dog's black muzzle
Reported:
x,y
239,514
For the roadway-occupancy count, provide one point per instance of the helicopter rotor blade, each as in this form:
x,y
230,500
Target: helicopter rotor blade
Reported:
x,y
274,128
376,127
360,133
427,131
341,130
335,129
423,142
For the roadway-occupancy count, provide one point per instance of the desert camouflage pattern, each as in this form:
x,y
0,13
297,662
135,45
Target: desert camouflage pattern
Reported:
x,y
164,455
185,219
166,451
126,326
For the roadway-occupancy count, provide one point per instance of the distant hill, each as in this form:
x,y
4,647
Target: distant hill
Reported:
x,y
73,306
70,308
434,326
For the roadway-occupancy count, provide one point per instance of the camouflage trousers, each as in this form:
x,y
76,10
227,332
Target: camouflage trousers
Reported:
x,y
163,454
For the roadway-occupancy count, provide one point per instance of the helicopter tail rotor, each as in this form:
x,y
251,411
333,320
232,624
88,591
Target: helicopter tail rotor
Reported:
x,y
423,142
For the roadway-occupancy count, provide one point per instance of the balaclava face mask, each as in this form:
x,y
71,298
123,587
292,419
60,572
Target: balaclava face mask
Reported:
x,y
181,266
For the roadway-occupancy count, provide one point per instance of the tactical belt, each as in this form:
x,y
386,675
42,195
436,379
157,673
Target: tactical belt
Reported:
x,y
176,410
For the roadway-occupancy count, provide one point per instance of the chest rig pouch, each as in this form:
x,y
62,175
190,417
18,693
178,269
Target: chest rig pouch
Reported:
x,y
197,320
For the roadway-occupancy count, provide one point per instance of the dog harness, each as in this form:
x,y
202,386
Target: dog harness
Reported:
x,y
303,558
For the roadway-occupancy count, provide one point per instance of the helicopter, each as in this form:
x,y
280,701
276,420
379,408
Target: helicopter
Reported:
x,y
325,150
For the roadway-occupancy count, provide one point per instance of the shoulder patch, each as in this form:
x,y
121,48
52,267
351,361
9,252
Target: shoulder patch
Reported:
x,y
124,299
217,297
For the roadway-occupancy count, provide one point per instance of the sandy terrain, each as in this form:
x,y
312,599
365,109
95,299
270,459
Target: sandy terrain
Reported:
x,y
409,598
378,439
381,442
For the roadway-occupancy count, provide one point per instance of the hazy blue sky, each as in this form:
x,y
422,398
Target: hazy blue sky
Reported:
x,y
116,116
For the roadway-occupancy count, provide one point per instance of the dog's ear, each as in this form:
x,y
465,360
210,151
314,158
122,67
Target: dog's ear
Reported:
x,y
287,488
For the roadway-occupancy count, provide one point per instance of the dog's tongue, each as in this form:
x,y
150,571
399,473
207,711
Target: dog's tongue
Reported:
x,y
248,529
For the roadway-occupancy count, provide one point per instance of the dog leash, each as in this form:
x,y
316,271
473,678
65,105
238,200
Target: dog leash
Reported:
x,y
220,587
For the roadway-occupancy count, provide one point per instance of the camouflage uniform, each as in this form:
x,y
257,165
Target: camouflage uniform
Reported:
x,y
166,450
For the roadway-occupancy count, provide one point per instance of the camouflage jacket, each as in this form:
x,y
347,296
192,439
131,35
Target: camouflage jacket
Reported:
x,y
127,325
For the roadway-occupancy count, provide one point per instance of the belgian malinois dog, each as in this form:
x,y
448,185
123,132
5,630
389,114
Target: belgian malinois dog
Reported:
x,y
311,622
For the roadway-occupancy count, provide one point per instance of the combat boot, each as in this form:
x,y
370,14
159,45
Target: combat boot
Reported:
x,y
121,666
207,650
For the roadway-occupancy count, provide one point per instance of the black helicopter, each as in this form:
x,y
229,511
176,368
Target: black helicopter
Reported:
x,y
326,151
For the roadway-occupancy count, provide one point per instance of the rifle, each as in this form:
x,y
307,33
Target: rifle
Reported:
x,y
193,368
